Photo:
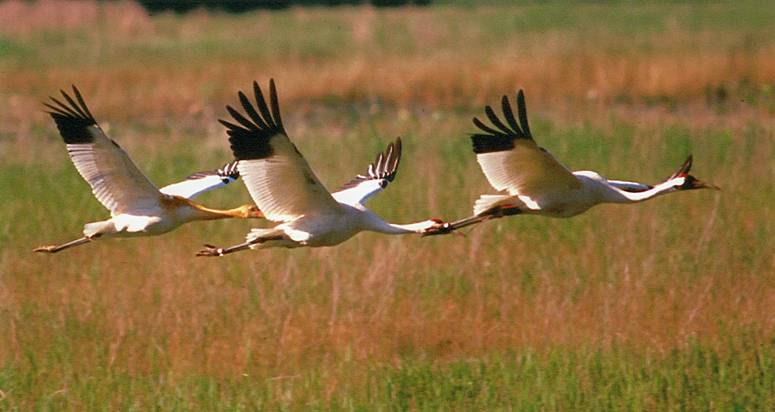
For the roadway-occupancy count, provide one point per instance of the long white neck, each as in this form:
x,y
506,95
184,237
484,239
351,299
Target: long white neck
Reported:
x,y
375,224
616,195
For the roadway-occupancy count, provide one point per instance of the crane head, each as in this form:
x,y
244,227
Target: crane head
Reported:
x,y
690,182
249,211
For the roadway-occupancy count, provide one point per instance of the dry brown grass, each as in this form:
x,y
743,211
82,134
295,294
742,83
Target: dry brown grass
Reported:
x,y
413,58
651,277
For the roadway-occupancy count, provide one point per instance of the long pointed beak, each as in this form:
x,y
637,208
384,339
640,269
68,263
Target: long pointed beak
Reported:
x,y
699,184
710,186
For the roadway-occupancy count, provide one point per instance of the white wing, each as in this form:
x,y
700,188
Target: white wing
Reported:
x,y
278,178
377,177
201,182
511,160
115,180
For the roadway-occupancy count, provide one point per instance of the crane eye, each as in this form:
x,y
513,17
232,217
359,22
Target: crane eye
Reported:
x,y
688,182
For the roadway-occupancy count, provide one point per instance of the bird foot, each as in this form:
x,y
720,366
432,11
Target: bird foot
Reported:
x,y
210,251
45,249
440,228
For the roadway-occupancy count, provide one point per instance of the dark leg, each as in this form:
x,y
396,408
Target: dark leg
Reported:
x,y
212,251
57,248
451,227
493,213
508,211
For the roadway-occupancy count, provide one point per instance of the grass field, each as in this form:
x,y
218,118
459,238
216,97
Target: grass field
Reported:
x,y
667,305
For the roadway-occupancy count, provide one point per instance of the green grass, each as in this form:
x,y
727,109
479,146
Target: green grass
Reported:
x,y
692,378
86,333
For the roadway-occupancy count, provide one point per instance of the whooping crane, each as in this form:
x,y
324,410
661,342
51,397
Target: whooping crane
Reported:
x,y
536,183
136,206
284,187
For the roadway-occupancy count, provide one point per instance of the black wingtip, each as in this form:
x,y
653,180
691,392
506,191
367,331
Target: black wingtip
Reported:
x,y
274,103
249,136
488,143
686,167
500,136
392,164
72,117
522,111
487,129
508,113
226,172
385,166
684,170
229,170
81,101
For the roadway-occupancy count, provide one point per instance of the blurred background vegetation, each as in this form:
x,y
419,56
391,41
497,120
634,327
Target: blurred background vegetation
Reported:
x,y
246,5
664,305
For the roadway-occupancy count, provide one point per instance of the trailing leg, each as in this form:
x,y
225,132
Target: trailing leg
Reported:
x,y
212,251
63,246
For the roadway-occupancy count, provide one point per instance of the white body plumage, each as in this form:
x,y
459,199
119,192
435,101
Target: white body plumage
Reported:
x,y
531,181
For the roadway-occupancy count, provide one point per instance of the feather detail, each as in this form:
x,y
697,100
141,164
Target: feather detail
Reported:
x,y
277,176
502,136
200,182
377,177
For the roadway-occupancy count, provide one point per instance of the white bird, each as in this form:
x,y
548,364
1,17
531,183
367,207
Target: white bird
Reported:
x,y
287,191
136,206
534,182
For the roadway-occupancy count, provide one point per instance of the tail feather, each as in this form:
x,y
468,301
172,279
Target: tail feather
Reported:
x,y
95,229
258,236
257,233
487,202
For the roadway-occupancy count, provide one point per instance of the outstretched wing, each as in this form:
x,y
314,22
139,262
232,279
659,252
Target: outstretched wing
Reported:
x,y
115,180
510,158
201,182
377,177
278,178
